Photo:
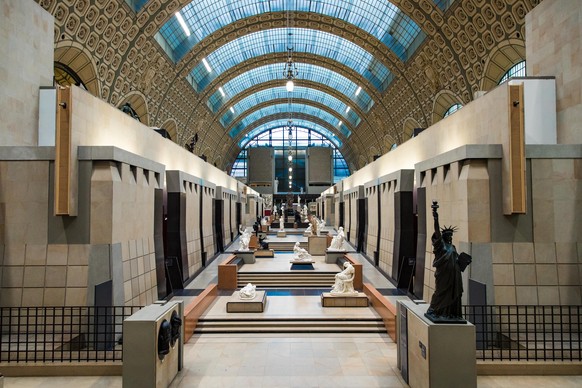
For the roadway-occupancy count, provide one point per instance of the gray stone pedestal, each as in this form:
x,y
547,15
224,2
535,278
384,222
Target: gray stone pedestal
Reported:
x,y
237,305
317,245
438,355
332,256
281,233
247,256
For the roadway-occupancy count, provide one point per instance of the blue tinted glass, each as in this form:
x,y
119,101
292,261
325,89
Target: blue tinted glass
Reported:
x,y
281,93
379,18
136,5
281,123
309,72
286,108
517,70
443,4
304,41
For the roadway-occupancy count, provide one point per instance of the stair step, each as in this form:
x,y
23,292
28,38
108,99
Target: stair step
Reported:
x,y
372,325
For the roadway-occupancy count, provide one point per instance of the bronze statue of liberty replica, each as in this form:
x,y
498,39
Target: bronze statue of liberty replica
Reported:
x,y
445,305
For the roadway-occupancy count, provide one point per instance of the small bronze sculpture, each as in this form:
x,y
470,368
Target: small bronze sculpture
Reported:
x,y
445,305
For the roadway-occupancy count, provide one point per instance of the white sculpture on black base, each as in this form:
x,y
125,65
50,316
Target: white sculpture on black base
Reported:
x,y
244,242
300,254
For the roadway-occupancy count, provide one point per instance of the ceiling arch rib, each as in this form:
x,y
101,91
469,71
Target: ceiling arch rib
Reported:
x,y
295,107
304,40
300,93
307,71
348,149
282,123
379,18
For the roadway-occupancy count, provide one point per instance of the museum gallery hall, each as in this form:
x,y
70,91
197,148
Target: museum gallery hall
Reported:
x,y
290,193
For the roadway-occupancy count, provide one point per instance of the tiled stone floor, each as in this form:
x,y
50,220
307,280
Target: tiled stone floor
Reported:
x,y
291,360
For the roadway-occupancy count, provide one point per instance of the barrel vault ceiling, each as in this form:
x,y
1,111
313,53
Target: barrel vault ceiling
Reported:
x,y
380,68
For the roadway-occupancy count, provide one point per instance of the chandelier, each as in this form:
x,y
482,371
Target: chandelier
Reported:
x,y
290,71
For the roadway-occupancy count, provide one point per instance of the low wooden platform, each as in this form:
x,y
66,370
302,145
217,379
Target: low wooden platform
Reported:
x,y
237,305
330,300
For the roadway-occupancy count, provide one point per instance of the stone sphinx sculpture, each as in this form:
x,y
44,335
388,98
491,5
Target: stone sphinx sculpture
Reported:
x,y
344,281
248,292
337,242
300,254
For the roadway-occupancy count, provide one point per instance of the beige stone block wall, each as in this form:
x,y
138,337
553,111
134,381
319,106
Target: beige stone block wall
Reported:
x,y
353,216
462,191
387,190
554,48
373,214
193,193
122,211
26,49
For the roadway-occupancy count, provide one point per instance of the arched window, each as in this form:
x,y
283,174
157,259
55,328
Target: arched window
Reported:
x,y
65,76
301,140
452,109
517,70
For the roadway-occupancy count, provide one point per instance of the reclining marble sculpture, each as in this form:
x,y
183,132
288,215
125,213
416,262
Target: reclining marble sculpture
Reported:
x,y
248,292
344,281
300,254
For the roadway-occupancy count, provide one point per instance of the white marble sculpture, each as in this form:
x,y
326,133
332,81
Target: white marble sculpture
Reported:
x,y
344,281
300,254
248,292
320,226
281,224
337,242
244,242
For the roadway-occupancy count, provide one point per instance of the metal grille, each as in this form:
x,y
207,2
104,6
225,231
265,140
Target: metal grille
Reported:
x,y
55,334
526,333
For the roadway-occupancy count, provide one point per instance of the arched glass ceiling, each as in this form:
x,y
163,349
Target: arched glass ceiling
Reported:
x,y
379,18
282,93
289,108
309,72
304,41
281,123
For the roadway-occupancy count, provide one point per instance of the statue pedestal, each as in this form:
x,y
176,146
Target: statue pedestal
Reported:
x,y
247,256
426,352
306,234
316,245
264,253
338,300
331,256
237,305
281,233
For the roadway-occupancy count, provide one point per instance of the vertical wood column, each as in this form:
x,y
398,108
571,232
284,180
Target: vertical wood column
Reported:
x,y
517,150
63,153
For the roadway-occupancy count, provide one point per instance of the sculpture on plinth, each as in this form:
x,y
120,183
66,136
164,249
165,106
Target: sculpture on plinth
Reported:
x,y
320,226
248,292
445,305
244,242
344,281
300,254
337,242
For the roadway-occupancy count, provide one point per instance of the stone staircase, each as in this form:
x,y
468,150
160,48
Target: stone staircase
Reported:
x,y
303,279
290,325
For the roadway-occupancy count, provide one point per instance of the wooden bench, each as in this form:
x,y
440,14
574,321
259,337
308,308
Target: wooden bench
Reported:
x,y
196,308
383,307
227,273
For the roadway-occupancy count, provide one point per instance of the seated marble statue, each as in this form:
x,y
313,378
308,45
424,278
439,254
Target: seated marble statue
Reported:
x,y
300,254
248,292
320,226
344,281
309,229
337,242
245,239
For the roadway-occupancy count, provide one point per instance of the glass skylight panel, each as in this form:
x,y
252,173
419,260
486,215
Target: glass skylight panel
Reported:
x,y
136,5
308,72
280,93
379,18
285,108
304,41
282,123
443,4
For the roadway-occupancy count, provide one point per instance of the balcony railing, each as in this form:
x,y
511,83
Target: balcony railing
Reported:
x,y
56,334
527,333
